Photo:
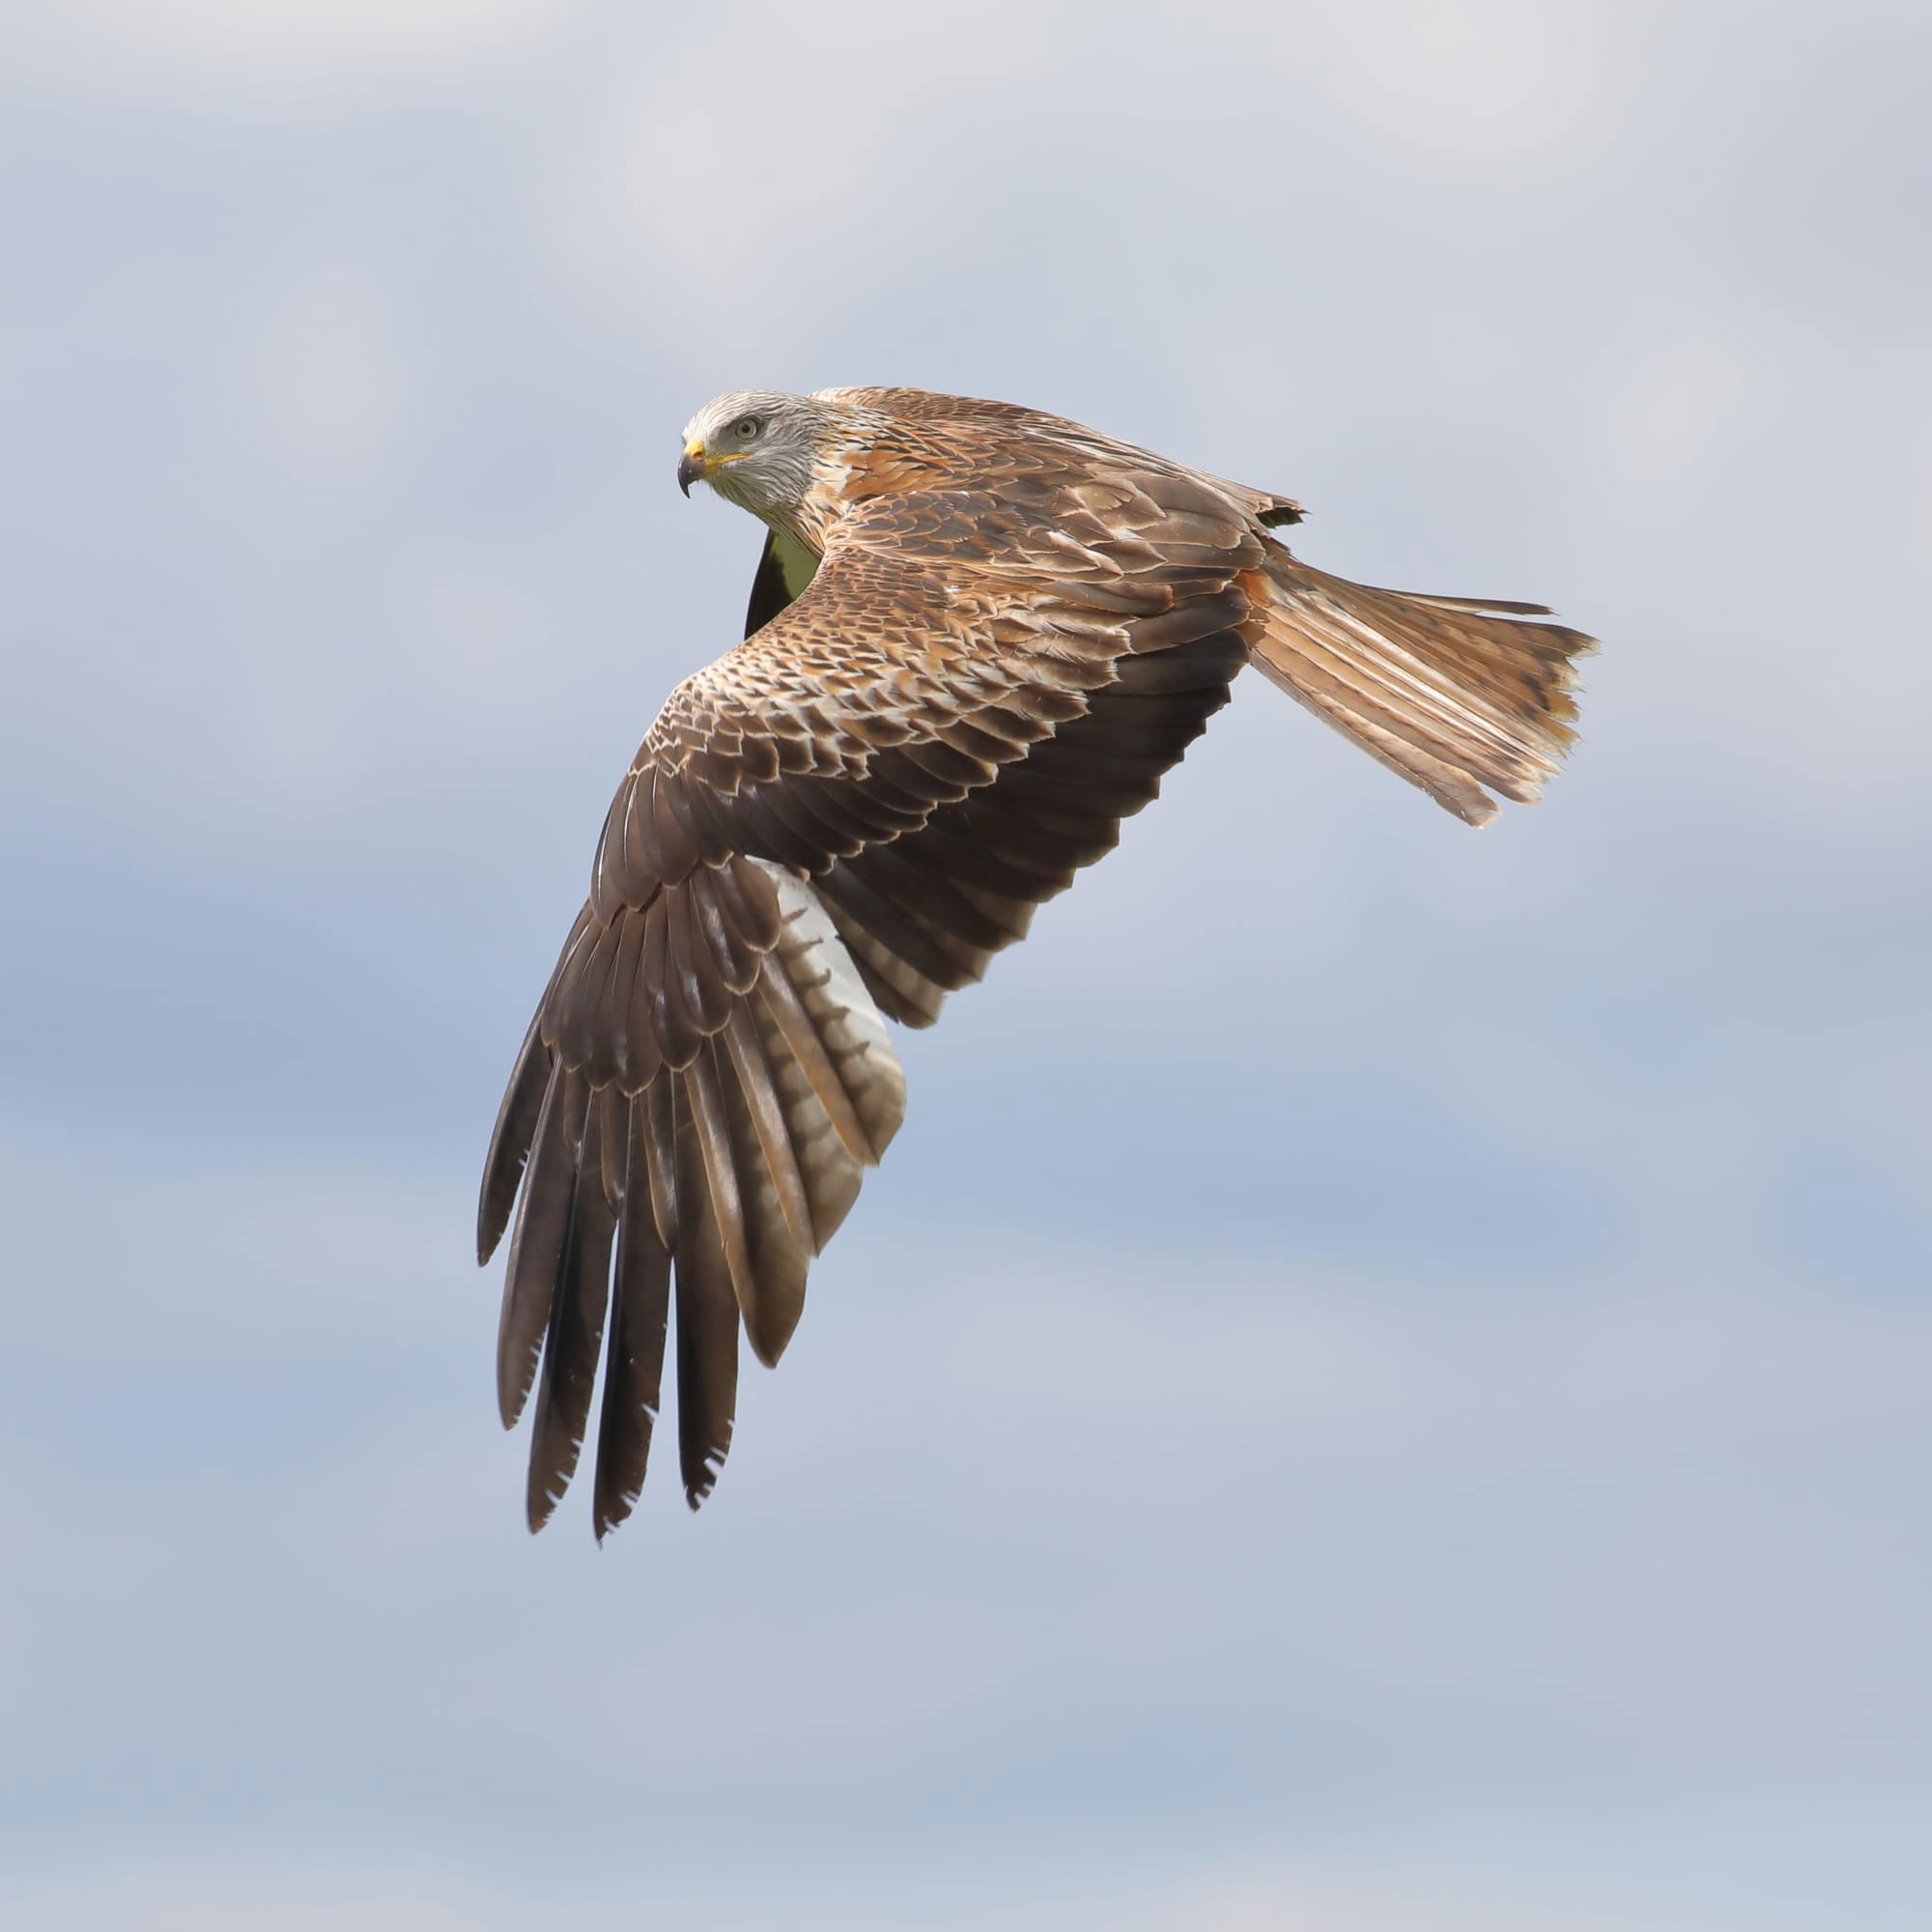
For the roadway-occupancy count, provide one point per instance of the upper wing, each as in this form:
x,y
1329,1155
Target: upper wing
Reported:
x,y
849,813
1462,697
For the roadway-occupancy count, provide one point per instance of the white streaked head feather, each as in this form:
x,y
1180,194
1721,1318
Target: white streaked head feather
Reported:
x,y
761,448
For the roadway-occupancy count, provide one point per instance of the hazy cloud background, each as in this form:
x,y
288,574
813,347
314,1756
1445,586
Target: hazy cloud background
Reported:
x,y
1384,1387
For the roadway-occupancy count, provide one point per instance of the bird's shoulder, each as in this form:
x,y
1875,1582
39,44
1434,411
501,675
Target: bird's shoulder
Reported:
x,y
1050,466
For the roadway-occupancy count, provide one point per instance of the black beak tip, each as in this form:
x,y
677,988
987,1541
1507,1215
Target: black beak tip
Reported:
x,y
689,469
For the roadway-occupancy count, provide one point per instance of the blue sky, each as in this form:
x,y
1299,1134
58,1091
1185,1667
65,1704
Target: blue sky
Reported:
x,y
1383,1387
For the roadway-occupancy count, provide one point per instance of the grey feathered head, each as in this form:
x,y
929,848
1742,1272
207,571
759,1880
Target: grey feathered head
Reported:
x,y
755,447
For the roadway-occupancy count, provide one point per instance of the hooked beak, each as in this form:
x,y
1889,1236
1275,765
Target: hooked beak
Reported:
x,y
691,465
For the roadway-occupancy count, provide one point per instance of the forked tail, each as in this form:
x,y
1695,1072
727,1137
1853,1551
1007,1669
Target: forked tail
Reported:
x,y
1457,694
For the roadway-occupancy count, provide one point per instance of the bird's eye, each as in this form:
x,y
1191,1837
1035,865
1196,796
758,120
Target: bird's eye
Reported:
x,y
746,428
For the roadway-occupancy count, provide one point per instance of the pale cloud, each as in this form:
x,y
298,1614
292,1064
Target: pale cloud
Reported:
x,y
1314,1458
736,195
1508,89
486,642
1283,1896
1666,420
1367,1902
323,382
279,48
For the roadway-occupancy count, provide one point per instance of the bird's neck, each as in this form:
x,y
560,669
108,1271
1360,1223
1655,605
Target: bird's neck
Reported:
x,y
856,467
797,560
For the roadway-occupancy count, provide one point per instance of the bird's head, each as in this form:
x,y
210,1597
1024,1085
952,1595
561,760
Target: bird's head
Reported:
x,y
759,448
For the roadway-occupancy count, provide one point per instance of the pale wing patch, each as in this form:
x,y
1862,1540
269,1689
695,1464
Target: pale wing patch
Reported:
x,y
848,1020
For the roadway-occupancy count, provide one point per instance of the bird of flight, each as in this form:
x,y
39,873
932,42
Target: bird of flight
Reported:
x,y
978,635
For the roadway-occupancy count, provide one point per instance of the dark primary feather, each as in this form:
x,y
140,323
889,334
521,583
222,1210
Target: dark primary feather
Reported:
x,y
707,1328
635,1349
575,1333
